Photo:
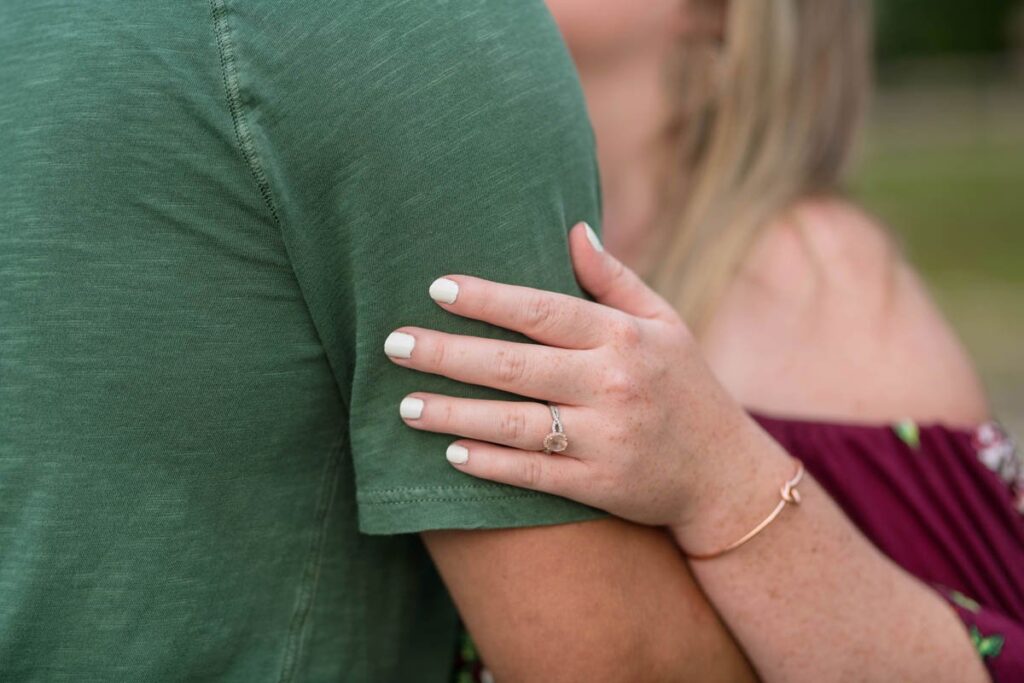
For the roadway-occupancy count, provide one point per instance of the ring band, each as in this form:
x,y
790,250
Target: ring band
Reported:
x,y
556,441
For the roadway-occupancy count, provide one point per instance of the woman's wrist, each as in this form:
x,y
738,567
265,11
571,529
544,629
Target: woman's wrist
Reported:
x,y
739,488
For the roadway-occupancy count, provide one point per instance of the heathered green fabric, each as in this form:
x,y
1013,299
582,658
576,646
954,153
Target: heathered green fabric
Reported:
x,y
213,213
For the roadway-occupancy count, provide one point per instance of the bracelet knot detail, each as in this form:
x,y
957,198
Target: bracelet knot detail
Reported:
x,y
788,492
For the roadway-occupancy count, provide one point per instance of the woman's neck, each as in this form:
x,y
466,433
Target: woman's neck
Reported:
x,y
629,109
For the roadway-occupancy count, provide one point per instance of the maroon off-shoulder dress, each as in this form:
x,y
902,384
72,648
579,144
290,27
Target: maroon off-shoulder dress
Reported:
x,y
945,504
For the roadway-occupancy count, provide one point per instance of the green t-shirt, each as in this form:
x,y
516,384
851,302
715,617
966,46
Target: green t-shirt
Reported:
x,y
213,214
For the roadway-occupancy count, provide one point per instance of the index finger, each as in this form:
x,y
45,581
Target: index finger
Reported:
x,y
550,318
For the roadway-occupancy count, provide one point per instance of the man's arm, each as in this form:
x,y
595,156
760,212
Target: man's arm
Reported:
x,y
404,141
602,600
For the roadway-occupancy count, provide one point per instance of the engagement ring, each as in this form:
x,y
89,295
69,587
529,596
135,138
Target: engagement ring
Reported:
x,y
556,441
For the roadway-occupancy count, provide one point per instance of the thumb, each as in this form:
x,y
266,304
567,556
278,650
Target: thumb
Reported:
x,y
609,281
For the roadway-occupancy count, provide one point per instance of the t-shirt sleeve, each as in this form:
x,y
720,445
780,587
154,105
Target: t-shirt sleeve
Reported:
x,y
400,145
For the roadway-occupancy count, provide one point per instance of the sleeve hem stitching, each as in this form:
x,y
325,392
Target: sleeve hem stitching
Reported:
x,y
363,501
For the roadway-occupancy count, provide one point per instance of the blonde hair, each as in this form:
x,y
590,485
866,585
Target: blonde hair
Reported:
x,y
767,116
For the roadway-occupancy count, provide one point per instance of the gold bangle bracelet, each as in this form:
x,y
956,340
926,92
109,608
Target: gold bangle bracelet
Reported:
x,y
789,495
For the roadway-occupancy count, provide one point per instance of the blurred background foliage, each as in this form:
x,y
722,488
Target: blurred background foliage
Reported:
x,y
942,27
943,164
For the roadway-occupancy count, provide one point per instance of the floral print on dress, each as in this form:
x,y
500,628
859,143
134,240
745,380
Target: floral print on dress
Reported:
x,y
908,432
997,450
988,646
969,604
469,668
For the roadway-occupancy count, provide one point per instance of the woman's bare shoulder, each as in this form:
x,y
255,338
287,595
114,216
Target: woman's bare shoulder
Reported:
x,y
827,320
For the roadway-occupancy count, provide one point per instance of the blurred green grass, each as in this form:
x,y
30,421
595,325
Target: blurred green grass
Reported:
x,y
943,166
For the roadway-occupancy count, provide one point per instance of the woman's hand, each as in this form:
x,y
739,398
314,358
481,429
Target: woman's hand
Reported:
x,y
648,425
654,438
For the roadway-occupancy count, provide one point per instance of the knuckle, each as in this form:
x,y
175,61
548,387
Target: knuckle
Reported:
x,y
511,366
513,425
438,354
540,312
626,331
619,383
531,472
448,416
482,303
618,270
610,477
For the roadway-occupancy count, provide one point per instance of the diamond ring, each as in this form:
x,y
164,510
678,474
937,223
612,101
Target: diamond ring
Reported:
x,y
556,441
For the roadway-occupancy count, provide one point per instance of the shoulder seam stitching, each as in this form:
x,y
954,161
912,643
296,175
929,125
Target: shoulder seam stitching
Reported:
x,y
247,148
241,126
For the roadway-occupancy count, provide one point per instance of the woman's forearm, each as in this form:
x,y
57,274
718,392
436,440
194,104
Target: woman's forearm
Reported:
x,y
810,598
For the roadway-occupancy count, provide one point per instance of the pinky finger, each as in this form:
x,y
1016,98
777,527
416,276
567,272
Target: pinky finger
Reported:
x,y
533,470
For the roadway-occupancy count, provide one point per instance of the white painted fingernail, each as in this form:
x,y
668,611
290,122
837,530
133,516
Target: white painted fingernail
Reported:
x,y
592,236
457,455
444,290
399,345
411,408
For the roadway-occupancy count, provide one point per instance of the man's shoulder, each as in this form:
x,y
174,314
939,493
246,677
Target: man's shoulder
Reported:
x,y
380,56
396,102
